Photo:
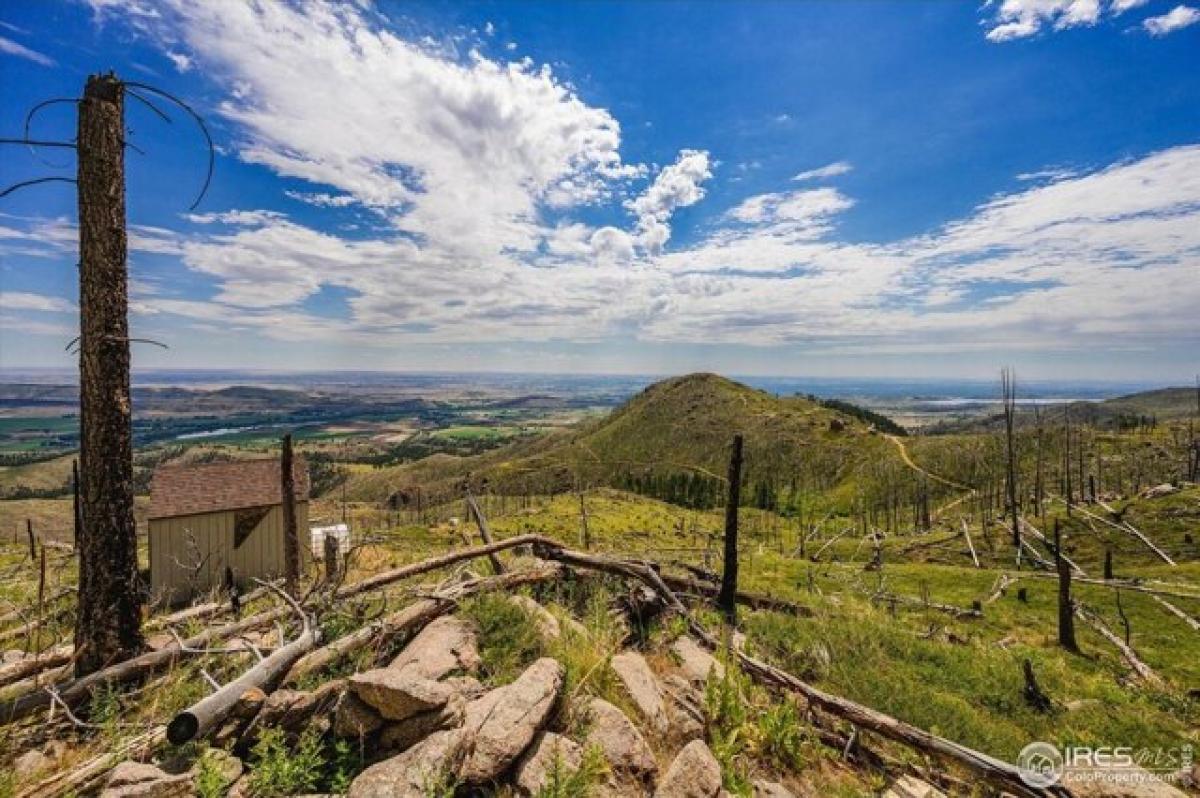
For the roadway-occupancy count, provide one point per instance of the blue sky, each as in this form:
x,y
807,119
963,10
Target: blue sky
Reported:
x,y
826,188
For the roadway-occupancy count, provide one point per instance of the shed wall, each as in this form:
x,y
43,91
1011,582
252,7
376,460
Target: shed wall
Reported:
x,y
172,556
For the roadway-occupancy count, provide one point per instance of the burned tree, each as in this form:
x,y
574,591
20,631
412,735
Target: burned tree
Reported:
x,y
291,543
108,621
1066,607
1009,390
726,600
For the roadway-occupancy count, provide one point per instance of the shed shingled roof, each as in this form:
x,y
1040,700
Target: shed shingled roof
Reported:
x,y
214,487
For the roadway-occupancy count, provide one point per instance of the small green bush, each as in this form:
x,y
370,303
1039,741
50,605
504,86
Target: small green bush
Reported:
x,y
283,769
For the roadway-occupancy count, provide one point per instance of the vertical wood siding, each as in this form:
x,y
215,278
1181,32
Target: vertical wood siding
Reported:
x,y
172,556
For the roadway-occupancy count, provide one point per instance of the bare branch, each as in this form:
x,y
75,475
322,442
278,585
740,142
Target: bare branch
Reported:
x,y
199,122
25,183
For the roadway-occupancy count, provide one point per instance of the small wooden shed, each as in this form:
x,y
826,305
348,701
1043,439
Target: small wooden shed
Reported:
x,y
212,516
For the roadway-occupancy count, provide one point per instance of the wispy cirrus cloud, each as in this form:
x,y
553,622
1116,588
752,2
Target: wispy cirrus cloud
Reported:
x,y
834,169
19,50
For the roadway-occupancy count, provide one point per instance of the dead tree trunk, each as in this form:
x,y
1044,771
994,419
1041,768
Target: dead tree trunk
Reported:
x,y
583,520
485,533
76,506
331,559
1066,610
32,540
291,543
1009,389
727,599
108,620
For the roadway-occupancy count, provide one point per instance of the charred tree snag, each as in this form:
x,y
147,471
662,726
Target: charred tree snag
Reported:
x,y
1066,609
1034,696
32,540
291,542
108,620
1009,388
727,599
331,559
76,506
1108,569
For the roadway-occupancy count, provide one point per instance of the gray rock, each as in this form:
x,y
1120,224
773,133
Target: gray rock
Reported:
x,y
415,773
912,787
399,694
695,773
354,718
30,764
695,662
640,684
771,789
502,723
537,765
619,740
546,623
685,707
446,646
400,736
138,780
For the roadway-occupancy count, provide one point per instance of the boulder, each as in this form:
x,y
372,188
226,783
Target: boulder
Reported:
x,y
695,662
619,740
137,780
640,684
399,694
30,764
399,737
1158,491
695,773
354,718
771,789
13,655
685,707
547,625
417,772
446,646
912,787
502,723
537,765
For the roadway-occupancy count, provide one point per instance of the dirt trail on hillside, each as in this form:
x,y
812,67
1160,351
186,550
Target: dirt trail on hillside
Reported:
x,y
907,458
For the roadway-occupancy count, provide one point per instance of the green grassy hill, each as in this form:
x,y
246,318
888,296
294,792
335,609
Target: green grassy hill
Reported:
x,y
670,440
1118,413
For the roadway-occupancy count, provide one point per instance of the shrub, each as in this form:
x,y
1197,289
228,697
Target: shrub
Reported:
x,y
282,769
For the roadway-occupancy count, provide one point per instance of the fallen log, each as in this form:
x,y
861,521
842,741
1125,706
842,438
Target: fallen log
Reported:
x,y
484,532
76,691
1144,671
918,603
35,624
15,671
1128,528
1116,584
1037,533
1002,584
202,612
1178,613
989,769
410,619
755,601
967,534
88,776
203,716
396,574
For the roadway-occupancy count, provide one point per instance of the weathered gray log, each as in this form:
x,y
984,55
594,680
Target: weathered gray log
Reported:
x,y
434,563
1118,584
755,601
1143,671
12,672
484,531
1178,613
206,714
78,690
967,534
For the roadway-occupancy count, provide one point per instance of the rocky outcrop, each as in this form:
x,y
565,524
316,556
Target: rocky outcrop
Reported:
x,y
622,745
642,687
399,737
771,789
547,625
537,765
695,773
417,772
399,694
912,787
501,724
695,663
445,647
137,780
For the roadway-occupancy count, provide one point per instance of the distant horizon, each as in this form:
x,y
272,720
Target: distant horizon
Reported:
x,y
69,376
